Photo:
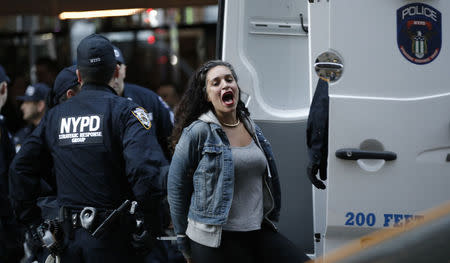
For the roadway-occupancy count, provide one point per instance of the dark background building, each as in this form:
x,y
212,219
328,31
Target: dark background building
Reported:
x,y
162,41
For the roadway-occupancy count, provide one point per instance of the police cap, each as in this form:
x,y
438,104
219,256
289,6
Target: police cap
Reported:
x,y
35,92
65,80
119,55
96,54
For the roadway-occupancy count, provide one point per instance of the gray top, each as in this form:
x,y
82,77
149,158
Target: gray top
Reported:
x,y
246,213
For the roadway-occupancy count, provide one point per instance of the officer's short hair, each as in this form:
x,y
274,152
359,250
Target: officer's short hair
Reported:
x,y
96,61
63,97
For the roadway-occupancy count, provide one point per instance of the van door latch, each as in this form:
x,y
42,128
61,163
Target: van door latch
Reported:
x,y
329,65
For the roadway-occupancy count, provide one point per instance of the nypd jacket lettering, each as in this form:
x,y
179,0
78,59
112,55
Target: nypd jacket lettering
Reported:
x,y
81,129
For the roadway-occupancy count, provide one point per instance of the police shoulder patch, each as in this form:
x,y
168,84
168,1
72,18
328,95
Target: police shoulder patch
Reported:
x,y
142,115
419,32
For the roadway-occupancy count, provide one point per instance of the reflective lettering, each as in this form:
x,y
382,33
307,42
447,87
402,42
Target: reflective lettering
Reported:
x,y
94,119
80,124
65,125
419,10
84,123
78,139
75,123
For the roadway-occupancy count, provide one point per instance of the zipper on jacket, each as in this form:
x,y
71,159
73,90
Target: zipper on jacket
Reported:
x,y
273,206
262,149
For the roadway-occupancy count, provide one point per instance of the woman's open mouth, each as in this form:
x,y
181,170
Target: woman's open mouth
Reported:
x,y
228,98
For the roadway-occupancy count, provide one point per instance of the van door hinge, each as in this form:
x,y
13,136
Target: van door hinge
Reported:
x,y
317,237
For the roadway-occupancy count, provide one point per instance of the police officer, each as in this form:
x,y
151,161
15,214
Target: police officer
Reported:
x,y
162,118
103,153
159,111
66,86
33,109
10,236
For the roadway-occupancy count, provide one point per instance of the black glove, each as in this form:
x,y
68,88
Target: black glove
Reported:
x,y
311,171
142,239
32,239
52,236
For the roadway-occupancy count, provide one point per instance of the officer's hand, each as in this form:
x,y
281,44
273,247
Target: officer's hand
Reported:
x,y
143,242
311,171
33,241
142,239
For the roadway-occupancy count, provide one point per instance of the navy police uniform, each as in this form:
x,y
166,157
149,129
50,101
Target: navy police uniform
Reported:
x,y
11,249
159,113
10,233
6,156
102,154
21,135
162,119
47,202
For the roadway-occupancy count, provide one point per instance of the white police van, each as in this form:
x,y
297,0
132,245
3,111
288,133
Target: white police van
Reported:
x,y
389,96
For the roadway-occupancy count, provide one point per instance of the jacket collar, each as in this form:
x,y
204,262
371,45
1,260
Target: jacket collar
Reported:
x,y
210,117
94,86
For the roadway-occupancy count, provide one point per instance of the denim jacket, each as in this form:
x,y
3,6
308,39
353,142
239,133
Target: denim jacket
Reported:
x,y
201,176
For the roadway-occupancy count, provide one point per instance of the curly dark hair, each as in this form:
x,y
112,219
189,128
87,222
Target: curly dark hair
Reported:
x,y
194,101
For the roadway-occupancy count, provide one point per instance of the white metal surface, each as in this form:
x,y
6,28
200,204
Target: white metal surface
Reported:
x,y
382,101
265,42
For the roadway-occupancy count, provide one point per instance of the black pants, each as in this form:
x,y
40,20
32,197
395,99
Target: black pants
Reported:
x,y
113,246
11,240
263,245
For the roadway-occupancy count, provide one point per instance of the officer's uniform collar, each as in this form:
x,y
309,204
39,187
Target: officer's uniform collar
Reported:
x,y
94,86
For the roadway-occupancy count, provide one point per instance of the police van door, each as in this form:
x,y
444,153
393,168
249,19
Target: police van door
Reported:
x,y
389,116
265,41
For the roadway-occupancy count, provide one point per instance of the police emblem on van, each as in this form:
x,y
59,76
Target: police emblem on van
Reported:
x,y
419,32
81,130
143,116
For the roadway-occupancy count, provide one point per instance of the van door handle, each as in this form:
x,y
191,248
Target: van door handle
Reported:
x,y
356,154
331,66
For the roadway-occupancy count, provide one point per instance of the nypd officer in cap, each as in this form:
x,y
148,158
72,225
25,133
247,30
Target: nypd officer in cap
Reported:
x,y
33,109
103,153
66,85
159,112
162,119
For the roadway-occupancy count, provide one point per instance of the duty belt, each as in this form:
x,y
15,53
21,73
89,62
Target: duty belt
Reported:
x,y
88,217
95,220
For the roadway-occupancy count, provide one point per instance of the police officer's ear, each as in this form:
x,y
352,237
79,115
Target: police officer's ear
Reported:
x,y
70,93
116,71
80,80
41,106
